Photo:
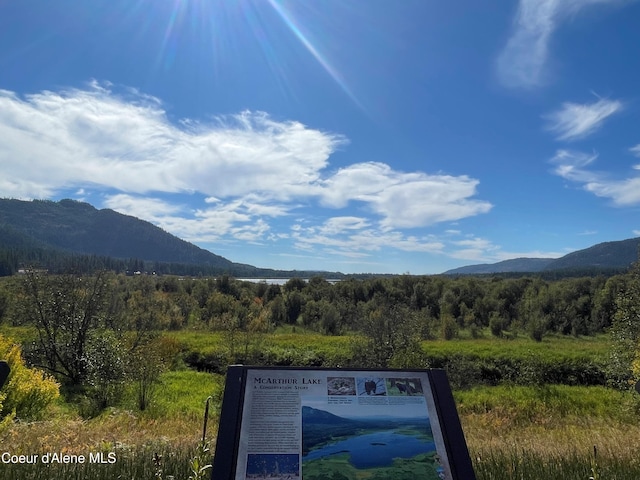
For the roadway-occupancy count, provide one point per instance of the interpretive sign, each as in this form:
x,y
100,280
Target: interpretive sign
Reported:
x,y
317,424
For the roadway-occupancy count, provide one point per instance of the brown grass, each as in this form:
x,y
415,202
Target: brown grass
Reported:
x,y
557,437
115,430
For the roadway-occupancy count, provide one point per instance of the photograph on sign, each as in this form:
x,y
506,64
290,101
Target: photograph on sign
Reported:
x,y
318,424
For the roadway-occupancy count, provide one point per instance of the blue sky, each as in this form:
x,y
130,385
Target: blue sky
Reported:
x,y
343,135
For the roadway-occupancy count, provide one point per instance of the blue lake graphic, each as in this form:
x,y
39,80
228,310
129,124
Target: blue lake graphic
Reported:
x,y
375,449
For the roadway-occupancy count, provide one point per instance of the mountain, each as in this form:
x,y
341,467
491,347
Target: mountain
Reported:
x,y
80,228
506,266
45,232
618,255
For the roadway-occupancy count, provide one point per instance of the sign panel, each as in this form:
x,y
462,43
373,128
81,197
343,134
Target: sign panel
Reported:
x,y
316,424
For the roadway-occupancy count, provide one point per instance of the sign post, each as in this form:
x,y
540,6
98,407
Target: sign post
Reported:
x,y
4,372
292,423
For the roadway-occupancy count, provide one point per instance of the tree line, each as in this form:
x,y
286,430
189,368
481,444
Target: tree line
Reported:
x,y
96,332
442,305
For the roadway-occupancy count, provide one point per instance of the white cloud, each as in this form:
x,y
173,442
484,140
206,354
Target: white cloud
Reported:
x,y
570,165
248,169
522,62
624,193
352,237
474,248
337,225
93,137
573,166
636,151
482,250
575,121
636,232
404,200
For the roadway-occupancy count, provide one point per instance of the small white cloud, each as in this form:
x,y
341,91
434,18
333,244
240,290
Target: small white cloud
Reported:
x,y
523,61
141,207
474,248
573,166
636,232
576,121
361,240
339,225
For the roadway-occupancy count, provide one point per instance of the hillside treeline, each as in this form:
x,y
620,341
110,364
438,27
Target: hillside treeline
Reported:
x,y
441,306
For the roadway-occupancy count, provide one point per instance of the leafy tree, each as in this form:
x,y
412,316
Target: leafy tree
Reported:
x,y
68,312
278,311
497,324
294,302
145,367
294,284
604,303
107,360
449,326
625,332
389,338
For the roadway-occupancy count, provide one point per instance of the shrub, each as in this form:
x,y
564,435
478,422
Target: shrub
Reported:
x,y
28,391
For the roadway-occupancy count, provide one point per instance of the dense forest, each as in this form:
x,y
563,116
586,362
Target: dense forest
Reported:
x,y
440,306
569,306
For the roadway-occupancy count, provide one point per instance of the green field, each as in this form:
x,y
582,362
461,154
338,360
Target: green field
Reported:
x,y
515,429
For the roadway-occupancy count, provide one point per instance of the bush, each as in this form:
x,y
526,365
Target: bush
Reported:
x,y
28,391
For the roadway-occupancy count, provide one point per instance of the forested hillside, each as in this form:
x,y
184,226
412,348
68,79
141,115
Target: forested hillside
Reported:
x,y
80,228
607,257
71,235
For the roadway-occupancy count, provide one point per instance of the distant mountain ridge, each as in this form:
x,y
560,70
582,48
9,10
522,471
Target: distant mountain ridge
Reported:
x,y
81,228
40,228
69,227
607,256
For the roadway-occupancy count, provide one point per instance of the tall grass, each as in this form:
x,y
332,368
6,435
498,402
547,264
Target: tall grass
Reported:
x,y
517,432
551,348
523,405
169,431
521,464
140,463
183,393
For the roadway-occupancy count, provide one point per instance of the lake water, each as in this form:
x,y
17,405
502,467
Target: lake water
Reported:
x,y
279,281
375,449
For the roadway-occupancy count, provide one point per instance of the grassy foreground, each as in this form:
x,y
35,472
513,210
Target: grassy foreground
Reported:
x,y
503,442
512,431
